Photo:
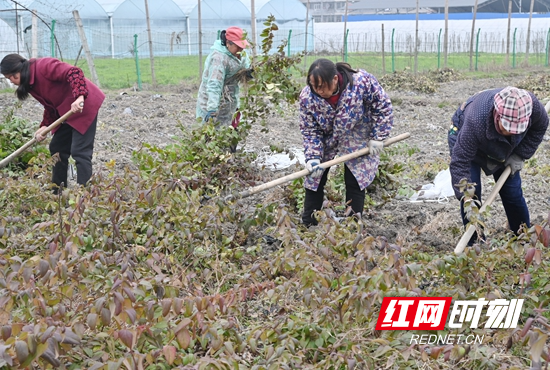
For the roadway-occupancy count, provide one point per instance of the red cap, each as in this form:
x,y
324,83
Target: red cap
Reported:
x,y
236,36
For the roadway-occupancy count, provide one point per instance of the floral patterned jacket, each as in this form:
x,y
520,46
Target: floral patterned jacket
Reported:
x,y
218,91
364,112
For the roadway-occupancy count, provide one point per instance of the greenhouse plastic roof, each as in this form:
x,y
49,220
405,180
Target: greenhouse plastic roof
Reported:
x,y
283,10
60,9
110,5
369,4
221,9
186,5
135,9
258,4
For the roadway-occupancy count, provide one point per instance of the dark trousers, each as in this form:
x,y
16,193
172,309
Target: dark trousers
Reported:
x,y
355,197
511,195
68,142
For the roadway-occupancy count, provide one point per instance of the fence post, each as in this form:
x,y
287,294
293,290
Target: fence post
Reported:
x,y
439,50
218,34
34,33
288,43
52,39
87,52
472,33
137,61
416,40
383,51
346,45
151,57
514,49
547,46
477,46
392,50
288,50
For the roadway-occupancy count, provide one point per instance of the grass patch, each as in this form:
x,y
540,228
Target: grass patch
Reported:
x,y
121,73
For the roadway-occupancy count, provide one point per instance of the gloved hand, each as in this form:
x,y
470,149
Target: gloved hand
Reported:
x,y
375,147
515,162
313,167
249,74
211,114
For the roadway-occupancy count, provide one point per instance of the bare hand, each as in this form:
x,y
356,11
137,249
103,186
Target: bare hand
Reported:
x,y
39,134
78,105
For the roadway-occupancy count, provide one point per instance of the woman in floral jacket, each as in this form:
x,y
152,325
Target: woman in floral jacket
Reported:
x,y
342,110
60,87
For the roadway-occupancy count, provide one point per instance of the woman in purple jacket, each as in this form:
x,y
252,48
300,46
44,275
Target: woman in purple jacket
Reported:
x,y
60,87
342,110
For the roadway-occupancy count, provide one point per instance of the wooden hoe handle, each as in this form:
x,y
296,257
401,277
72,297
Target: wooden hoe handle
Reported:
x,y
463,242
4,162
302,173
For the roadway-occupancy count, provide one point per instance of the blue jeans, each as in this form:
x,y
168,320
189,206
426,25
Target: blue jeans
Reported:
x,y
511,195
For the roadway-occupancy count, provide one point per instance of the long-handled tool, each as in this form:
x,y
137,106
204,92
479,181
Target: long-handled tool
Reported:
x,y
302,173
31,142
463,242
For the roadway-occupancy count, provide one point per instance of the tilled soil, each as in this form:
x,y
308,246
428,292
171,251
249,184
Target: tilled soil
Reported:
x,y
130,118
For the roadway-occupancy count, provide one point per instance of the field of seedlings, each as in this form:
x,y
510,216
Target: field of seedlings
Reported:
x,y
153,266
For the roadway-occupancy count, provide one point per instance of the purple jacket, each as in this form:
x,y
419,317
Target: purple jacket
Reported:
x,y
476,139
364,112
56,86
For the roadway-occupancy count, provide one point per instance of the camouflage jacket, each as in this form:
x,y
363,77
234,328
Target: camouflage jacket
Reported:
x,y
218,91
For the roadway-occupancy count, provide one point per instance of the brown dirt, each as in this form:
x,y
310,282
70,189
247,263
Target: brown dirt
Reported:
x,y
129,118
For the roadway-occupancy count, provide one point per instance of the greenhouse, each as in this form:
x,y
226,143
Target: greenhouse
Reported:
x,y
58,17
8,41
217,15
290,16
167,21
117,28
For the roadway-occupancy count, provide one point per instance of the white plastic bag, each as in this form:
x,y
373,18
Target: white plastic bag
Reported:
x,y
440,190
278,161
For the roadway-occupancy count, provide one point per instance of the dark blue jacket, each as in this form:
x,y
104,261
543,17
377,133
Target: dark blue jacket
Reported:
x,y
474,138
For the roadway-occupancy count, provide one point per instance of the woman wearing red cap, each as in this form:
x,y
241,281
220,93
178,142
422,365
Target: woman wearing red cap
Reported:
x,y
60,87
218,96
491,130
